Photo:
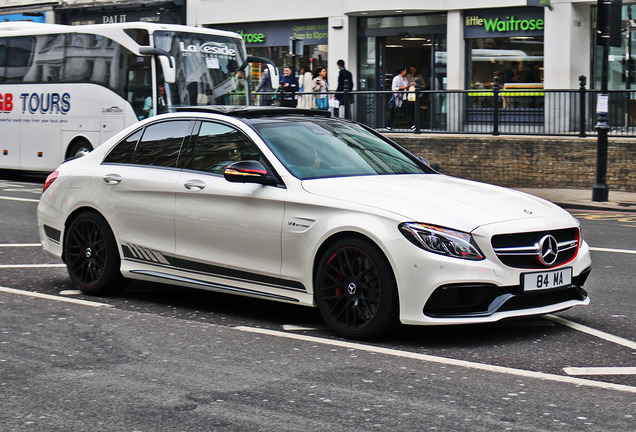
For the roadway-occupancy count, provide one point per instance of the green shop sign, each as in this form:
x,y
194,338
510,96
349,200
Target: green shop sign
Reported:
x,y
503,23
313,32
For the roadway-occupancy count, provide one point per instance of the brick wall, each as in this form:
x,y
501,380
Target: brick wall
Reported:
x,y
523,161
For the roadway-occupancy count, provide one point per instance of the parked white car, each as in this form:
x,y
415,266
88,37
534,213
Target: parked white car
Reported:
x,y
295,206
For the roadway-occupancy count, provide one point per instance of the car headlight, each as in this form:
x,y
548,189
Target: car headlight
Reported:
x,y
440,240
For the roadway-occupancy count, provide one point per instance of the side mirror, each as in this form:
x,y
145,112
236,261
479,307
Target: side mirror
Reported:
x,y
424,160
271,67
273,75
169,71
166,60
249,171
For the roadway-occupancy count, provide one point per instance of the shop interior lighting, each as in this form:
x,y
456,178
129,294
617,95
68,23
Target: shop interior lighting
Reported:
x,y
394,46
413,38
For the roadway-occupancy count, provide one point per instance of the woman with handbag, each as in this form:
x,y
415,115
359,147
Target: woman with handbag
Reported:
x,y
398,85
321,87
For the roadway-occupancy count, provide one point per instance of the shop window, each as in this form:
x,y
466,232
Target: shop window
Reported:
x,y
515,60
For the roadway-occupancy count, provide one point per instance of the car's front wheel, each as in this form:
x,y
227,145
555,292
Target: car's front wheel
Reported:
x,y
92,257
356,290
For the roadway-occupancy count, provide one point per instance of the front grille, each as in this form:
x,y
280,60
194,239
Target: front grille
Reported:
x,y
523,250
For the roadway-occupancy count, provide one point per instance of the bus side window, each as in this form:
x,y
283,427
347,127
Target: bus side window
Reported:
x,y
138,83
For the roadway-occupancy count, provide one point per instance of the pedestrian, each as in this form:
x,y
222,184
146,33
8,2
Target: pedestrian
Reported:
x,y
264,85
413,78
320,87
398,85
305,84
287,88
345,82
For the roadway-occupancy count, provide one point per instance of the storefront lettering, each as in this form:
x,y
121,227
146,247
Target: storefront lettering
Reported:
x,y
505,25
108,19
252,37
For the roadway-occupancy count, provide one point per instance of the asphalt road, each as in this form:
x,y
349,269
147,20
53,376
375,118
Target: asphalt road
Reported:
x,y
161,358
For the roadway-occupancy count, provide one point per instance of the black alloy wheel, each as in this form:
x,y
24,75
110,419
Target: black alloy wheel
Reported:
x,y
356,290
91,255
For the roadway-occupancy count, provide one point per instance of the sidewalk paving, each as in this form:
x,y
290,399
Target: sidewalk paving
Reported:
x,y
582,199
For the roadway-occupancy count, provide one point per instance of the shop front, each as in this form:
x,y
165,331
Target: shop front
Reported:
x,y
507,46
36,17
272,40
167,12
386,43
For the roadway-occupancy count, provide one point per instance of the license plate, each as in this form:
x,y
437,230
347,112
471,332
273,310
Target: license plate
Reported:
x,y
546,279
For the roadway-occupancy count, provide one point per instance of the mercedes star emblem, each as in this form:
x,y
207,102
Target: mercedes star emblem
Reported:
x,y
548,250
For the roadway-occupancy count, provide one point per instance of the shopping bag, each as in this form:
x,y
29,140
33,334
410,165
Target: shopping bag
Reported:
x,y
322,103
411,95
334,103
391,104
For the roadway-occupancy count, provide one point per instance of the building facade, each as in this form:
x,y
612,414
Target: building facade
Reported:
x,y
454,44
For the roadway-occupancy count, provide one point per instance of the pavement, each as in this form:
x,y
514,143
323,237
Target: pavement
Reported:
x,y
582,199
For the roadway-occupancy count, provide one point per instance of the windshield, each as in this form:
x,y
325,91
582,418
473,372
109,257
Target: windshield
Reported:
x,y
207,68
326,148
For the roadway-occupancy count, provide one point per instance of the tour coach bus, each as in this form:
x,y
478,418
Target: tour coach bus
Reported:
x,y
66,89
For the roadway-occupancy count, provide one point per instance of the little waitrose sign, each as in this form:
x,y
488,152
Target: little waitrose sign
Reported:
x,y
503,23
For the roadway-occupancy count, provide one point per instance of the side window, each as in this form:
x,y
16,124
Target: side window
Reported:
x,y
16,58
161,143
219,145
124,151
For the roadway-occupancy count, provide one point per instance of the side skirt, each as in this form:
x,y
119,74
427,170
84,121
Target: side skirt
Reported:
x,y
214,286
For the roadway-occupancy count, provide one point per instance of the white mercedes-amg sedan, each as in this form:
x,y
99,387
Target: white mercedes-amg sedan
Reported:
x,y
295,206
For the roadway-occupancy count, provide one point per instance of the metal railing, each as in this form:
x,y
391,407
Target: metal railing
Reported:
x,y
518,111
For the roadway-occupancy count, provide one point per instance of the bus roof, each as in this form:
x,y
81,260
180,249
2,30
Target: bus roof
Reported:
x,y
31,28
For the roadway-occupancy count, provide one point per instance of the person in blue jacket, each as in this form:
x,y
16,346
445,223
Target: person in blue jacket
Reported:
x,y
288,87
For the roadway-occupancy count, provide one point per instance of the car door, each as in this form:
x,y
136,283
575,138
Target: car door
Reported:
x,y
137,183
227,231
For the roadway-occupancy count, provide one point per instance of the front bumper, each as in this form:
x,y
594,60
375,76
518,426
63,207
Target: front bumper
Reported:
x,y
438,290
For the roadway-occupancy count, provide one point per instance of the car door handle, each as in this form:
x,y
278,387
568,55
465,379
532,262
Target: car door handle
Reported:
x,y
112,178
194,185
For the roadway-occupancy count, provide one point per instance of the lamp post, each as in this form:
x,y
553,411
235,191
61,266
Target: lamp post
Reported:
x,y
605,10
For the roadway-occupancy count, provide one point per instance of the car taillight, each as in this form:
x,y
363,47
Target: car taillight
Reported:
x,y
49,180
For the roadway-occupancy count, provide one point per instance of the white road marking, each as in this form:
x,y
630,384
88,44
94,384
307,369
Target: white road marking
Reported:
x,y
292,327
589,330
21,245
19,199
53,297
625,251
14,266
70,292
600,370
442,360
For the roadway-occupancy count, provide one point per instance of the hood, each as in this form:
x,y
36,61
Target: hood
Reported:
x,y
436,199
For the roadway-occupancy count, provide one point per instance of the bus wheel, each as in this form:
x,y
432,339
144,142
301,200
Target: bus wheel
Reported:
x,y
79,147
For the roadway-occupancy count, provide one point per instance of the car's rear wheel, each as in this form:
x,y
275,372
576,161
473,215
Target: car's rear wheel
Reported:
x,y
91,254
356,290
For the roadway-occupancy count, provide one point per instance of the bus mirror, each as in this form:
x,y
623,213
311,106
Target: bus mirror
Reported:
x,y
271,67
273,75
169,71
166,60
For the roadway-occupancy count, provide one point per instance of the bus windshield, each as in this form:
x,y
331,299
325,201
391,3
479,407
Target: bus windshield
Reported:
x,y
209,69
